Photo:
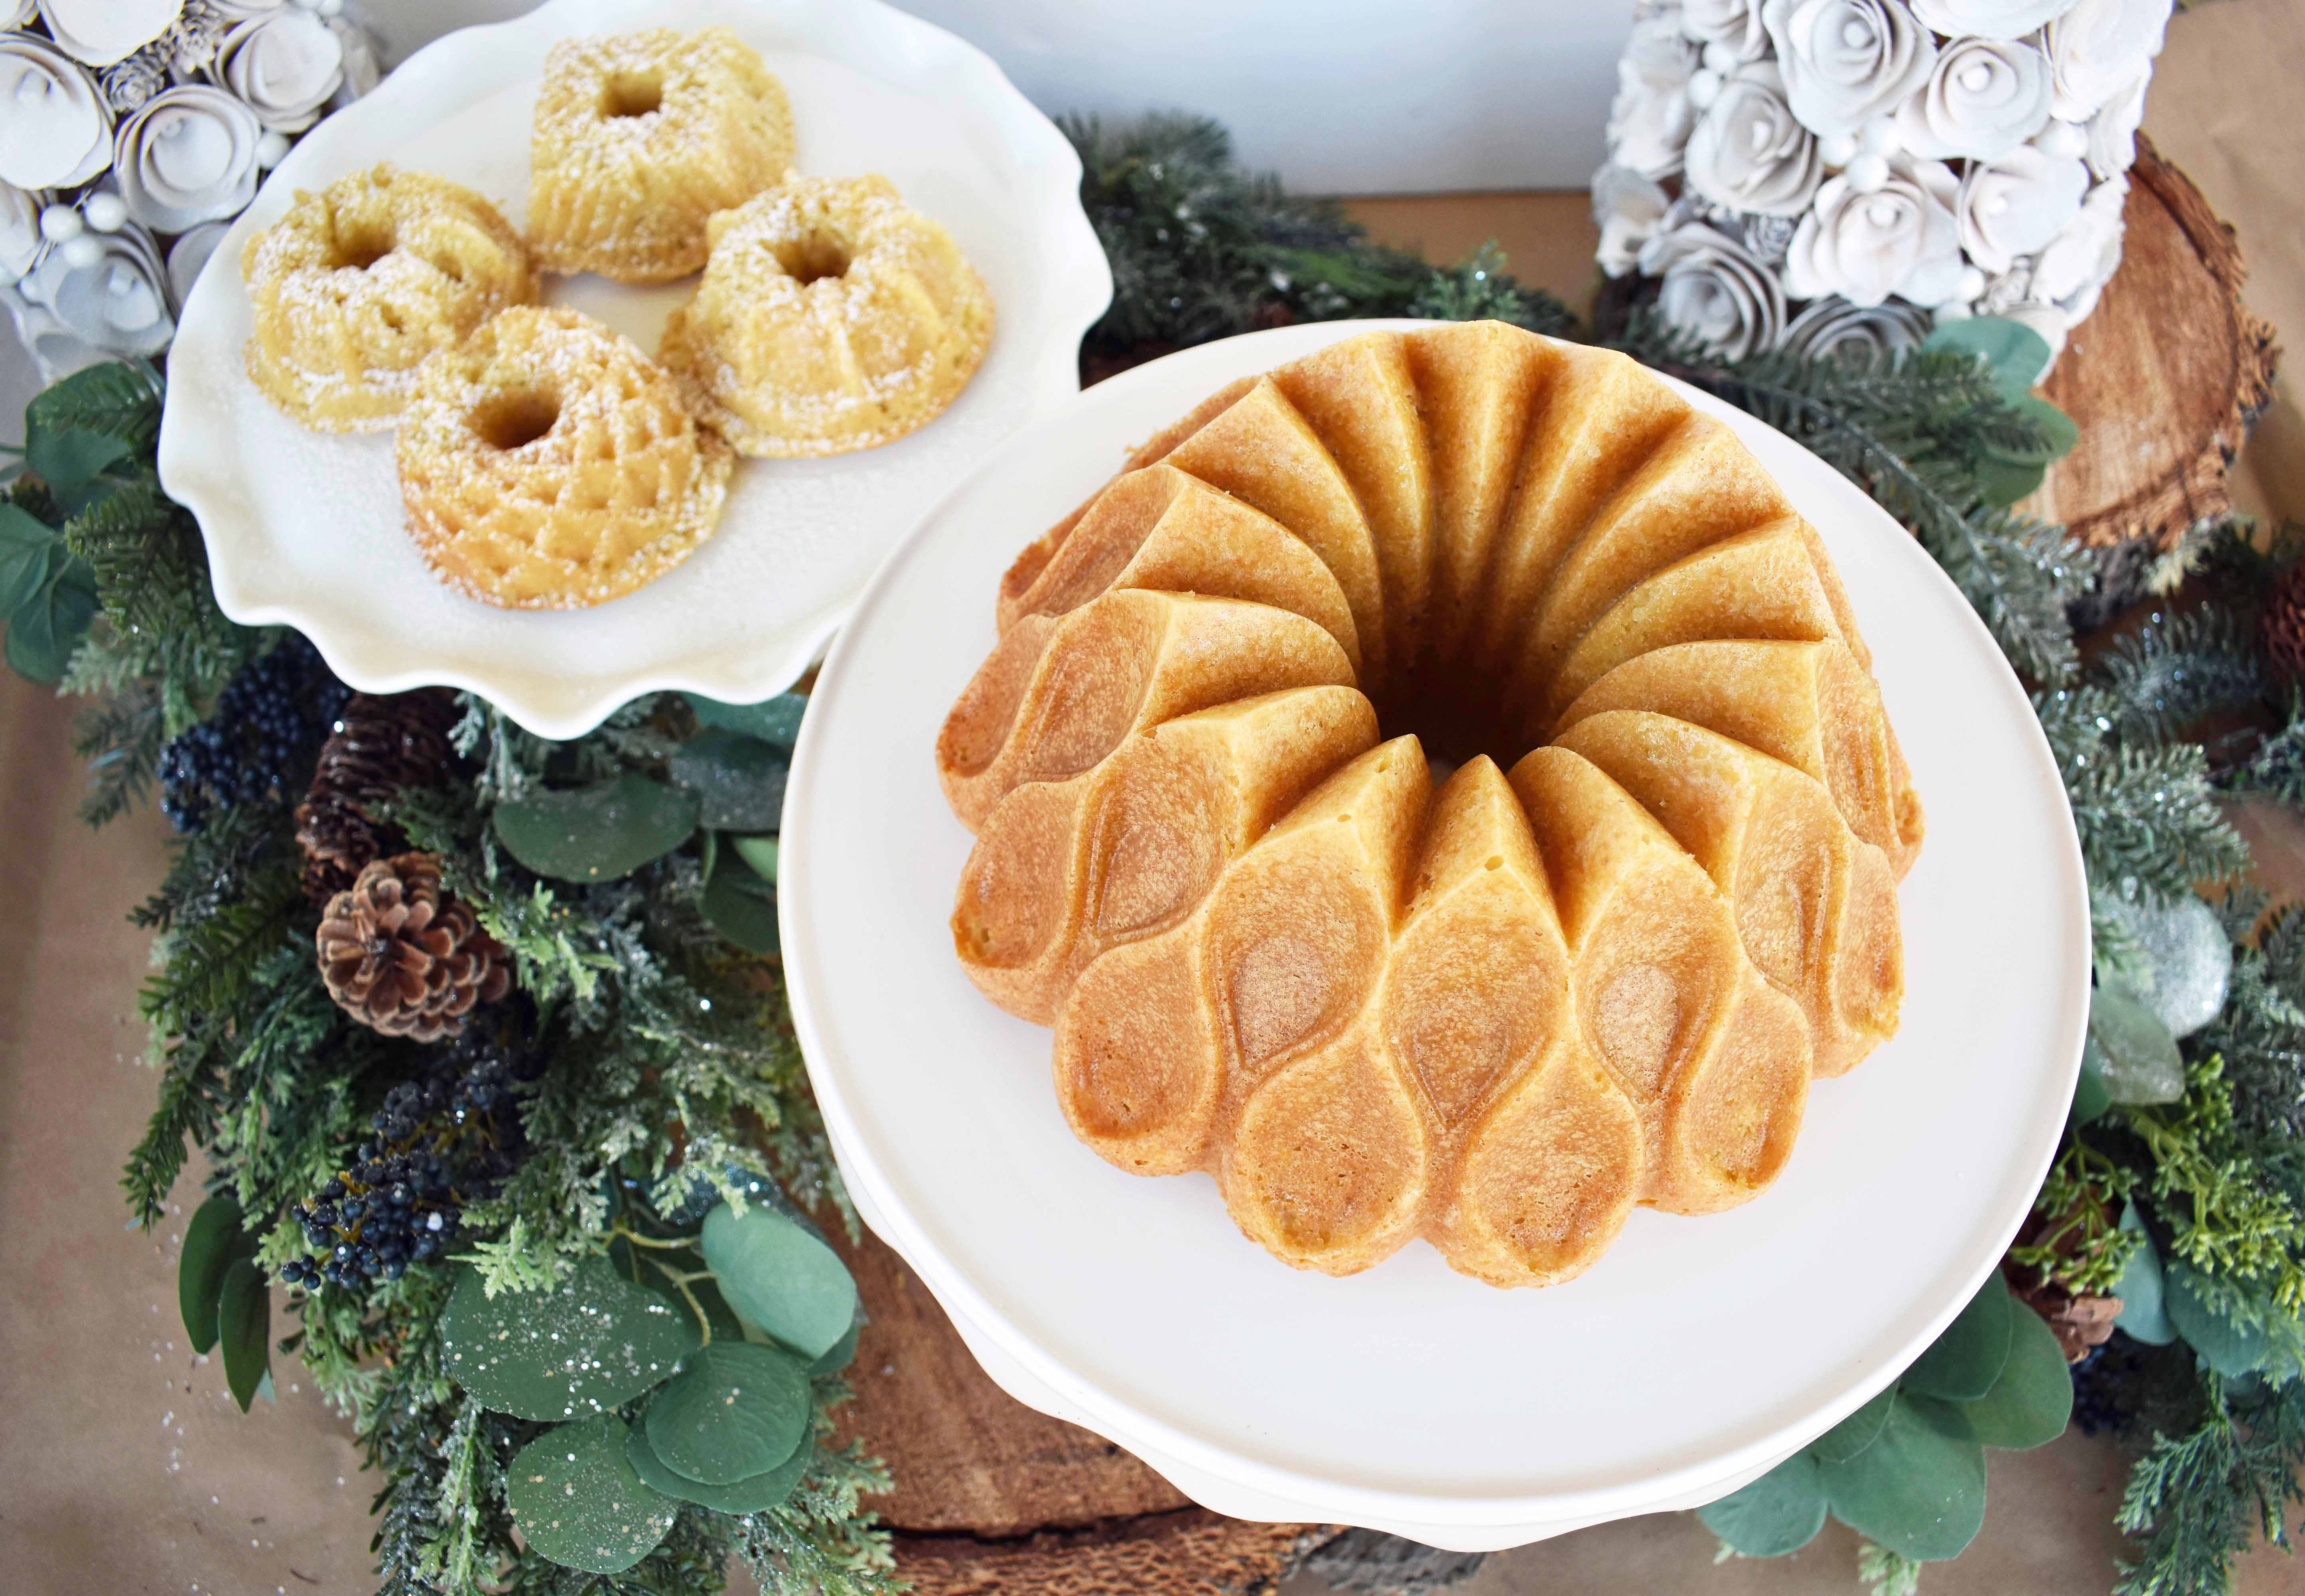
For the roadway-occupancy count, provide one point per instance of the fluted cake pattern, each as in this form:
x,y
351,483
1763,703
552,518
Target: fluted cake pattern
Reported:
x,y
1598,967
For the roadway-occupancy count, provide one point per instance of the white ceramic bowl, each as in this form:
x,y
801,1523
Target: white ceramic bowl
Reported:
x,y
1697,1354
305,529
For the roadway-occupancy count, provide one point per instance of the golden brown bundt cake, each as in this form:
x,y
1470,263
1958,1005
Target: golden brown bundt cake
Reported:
x,y
830,319
547,463
357,284
639,138
1598,968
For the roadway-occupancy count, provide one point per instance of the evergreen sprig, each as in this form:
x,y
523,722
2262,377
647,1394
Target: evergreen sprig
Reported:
x,y
2197,1501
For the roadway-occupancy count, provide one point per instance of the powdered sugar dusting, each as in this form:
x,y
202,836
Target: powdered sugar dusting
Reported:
x,y
308,528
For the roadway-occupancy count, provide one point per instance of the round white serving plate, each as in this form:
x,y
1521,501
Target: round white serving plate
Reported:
x,y
1697,1354
305,529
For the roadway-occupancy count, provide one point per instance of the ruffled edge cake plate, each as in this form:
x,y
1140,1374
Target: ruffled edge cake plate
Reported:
x,y
1697,1354
305,529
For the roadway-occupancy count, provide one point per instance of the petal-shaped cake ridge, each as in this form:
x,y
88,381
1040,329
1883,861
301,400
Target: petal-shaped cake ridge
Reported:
x,y
1059,693
1810,704
1816,908
1164,530
1063,870
1360,398
1500,1015
1774,582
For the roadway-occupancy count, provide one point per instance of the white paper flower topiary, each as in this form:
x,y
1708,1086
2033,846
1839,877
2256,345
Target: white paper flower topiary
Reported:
x,y
132,131
1880,163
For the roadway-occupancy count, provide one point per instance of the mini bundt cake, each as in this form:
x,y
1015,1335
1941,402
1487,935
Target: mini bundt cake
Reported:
x,y
830,319
640,137
1598,968
358,284
547,463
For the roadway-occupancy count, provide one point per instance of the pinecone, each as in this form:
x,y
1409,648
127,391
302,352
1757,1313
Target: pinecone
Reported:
x,y
402,957
2079,1322
378,746
2282,624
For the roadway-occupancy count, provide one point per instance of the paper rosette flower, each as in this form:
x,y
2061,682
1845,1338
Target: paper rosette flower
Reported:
x,y
2076,265
1749,151
100,32
20,232
1715,289
2099,48
1628,209
15,14
59,131
1988,18
188,157
1735,25
284,64
118,303
363,62
1847,61
1983,98
1832,327
2113,130
191,252
2015,204
1650,118
1900,238
240,11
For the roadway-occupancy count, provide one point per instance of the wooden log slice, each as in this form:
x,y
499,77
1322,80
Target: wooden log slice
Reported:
x,y
991,1496
2164,377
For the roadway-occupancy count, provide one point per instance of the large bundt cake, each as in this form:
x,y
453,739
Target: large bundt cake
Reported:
x,y
1598,968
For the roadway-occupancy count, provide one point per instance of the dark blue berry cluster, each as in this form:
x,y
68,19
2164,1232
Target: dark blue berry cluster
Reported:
x,y
258,744
448,1138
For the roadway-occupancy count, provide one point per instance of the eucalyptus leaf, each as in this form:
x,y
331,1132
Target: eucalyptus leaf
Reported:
x,y
576,1498
2090,1098
1962,1364
842,1353
781,1276
1919,1489
2136,1055
756,1493
1780,1512
773,720
2230,1348
759,853
1856,1433
2001,482
213,1243
597,832
735,1410
25,548
738,780
594,1344
2017,356
2144,1314
43,633
2032,1402
245,1327
741,907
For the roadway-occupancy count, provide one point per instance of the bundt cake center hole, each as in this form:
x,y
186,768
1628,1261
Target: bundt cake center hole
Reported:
x,y
631,94
509,420
813,257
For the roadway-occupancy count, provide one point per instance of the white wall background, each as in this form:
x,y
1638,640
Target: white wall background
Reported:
x,y
1344,97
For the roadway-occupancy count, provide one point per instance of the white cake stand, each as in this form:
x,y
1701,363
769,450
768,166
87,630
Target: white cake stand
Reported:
x,y
305,529
1697,1354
